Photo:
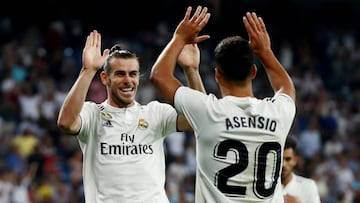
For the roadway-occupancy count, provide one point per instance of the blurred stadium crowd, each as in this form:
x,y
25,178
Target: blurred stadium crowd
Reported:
x,y
39,63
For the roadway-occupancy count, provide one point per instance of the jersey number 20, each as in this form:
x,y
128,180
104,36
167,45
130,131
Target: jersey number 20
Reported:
x,y
242,162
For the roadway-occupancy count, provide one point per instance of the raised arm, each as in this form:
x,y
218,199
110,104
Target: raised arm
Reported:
x,y
162,72
260,42
189,60
69,116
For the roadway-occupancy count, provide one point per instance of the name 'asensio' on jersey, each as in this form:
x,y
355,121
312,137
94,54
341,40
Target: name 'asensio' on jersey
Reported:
x,y
259,122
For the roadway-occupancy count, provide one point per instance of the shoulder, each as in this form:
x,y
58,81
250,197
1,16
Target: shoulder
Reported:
x,y
280,97
91,103
92,106
283,103
156,104
309,188
306,182
188,91
157,107
184,93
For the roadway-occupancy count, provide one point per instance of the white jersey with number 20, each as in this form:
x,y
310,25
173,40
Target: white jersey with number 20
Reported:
x,y
240,143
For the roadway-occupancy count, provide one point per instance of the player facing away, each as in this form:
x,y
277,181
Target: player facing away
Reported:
x,y
121,139
240,138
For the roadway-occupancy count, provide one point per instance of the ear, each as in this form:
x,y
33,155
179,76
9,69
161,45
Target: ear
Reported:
x,y
218,75
253,71
296,158
104,78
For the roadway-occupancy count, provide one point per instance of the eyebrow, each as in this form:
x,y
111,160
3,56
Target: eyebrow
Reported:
x,y
130,72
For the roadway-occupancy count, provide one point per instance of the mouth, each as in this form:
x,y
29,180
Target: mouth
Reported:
x,y
127,89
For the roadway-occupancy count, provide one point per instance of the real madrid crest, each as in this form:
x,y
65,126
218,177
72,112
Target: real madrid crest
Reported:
x,y
143,124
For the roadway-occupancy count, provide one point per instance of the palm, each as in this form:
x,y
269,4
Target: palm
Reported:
x,y
92,58
189,56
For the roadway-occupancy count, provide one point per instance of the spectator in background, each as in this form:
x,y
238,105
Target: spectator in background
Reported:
x,y
175,143
26,142
6,184
309,142
296,189
355,185
344,178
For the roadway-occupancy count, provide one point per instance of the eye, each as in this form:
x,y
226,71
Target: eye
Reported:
x,y
134,73
120,73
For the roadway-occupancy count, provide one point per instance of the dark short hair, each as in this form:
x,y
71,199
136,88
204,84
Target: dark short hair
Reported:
x,y
234,58
291,143
117,52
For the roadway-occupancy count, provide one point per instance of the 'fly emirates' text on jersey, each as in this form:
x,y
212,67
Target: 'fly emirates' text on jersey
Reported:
x,y
123,152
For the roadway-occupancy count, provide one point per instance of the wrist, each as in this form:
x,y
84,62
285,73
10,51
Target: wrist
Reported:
x,y
264,53
178,41
189,70
88,71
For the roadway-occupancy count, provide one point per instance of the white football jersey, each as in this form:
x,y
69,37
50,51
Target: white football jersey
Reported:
x,y
304,188
123,152
240,143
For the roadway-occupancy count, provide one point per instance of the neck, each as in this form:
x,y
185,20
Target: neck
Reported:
x,y
237,91
287,179
120,104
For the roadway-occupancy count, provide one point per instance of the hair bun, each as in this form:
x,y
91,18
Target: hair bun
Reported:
x,y
116,47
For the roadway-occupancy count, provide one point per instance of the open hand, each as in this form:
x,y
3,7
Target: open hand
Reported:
x,y
91,56
189,28
189,56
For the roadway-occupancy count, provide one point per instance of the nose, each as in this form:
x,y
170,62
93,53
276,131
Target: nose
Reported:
x,y
126,78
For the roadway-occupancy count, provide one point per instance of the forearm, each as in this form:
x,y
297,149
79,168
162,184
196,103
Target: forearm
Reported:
x,y
194,79
162,72
166,62
68,119
278,77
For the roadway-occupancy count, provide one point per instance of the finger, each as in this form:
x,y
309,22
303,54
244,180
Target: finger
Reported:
x,y
262,24
202,38
106,53
187,13
256,21
93,37
205,20
98,40
201,15
247,25
196,14
251,20
88,39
